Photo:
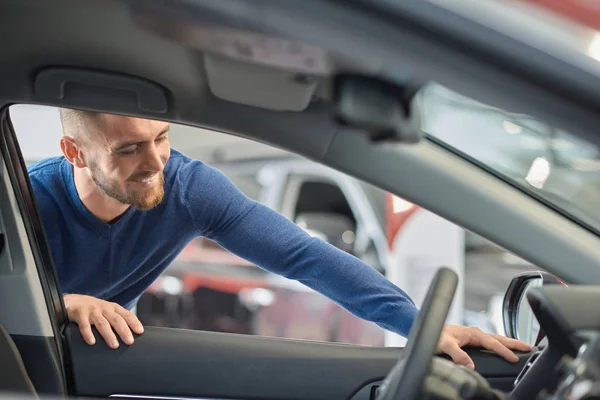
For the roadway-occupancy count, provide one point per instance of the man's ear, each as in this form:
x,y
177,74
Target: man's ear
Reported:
x,y
72,151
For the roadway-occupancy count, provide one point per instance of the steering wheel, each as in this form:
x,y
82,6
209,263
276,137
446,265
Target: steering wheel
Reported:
x,y
405,380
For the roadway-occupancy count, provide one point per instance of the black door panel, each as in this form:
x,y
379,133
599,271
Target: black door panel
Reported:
x,y
173,362
42,362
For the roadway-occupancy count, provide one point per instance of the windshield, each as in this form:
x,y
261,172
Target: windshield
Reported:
x,y
558,167
560,28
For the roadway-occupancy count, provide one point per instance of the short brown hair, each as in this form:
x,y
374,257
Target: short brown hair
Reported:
x,y
76,123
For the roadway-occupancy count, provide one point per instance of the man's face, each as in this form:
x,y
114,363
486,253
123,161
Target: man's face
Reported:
x,y
126,157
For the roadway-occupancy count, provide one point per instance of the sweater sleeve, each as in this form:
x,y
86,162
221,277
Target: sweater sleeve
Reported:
x,y
272,242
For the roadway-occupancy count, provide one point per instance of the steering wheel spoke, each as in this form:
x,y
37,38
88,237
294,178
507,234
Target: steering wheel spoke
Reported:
x,y
406,379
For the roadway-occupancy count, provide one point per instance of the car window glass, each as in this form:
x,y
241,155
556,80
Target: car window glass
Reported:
x,y
208,288
554,166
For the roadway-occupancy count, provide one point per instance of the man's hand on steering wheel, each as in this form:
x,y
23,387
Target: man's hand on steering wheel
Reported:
x,y
454,337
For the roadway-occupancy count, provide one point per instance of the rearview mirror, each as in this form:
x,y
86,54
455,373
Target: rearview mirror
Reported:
x,y
519,321
383,109
336,229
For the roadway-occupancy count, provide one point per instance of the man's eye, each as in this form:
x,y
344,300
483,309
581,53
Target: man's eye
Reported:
x,y
160,139
128,151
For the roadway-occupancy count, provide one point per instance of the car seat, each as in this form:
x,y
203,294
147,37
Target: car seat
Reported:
x,y
14,377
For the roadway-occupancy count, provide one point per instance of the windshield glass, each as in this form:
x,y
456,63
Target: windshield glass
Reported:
x,y
560,28
555,165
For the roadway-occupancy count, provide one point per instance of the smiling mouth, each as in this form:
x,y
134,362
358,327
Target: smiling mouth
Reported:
x,y
147,180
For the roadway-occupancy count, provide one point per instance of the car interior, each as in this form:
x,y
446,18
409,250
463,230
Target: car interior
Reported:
x,y
334,82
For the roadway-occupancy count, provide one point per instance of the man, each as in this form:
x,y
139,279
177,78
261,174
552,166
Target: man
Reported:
x,y
120,205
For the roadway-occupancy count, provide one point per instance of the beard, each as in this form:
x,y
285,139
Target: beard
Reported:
x,y
140,199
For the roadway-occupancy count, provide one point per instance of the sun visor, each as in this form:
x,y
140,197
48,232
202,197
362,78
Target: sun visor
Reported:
x,y
243,66
258,86
260,70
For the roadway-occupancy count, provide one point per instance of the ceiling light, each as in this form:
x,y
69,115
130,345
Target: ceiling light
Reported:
x,y
400,205
511,127
172,285
255,298
538,172
594,49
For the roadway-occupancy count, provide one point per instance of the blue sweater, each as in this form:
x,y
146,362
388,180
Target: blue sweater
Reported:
x,y
118,261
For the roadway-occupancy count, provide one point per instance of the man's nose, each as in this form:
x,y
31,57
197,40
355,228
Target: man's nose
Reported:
x,y
153,159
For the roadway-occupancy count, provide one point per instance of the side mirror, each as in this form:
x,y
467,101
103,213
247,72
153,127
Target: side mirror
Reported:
x,y
336,229
519,321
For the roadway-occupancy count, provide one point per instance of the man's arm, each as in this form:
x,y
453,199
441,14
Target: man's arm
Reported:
x,y
260,235
274,243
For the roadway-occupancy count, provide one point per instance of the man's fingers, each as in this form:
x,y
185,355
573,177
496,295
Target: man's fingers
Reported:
x,y
120,326
108,318
131,319
491,343
513,344
105,329
82,320
454,337
459,356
